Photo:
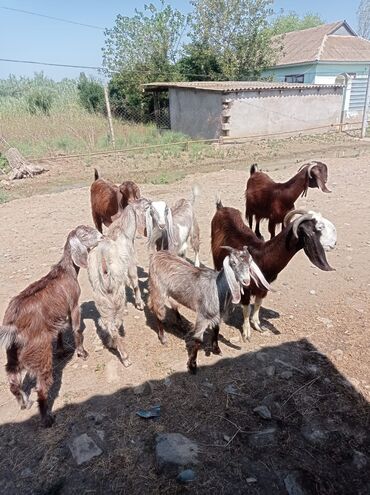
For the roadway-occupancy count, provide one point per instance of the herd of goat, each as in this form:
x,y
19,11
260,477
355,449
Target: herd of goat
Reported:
x,y
245,265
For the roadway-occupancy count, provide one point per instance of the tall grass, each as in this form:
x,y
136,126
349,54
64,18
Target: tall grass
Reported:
x,y
68,128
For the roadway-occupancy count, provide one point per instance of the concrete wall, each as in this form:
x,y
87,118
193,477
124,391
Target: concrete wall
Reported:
x,y
196,113
268,112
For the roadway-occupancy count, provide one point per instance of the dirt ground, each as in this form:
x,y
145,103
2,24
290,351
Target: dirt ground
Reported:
x,y
317,441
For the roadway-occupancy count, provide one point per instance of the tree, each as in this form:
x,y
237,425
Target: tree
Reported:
x,y
91,94
235,33
363,19
199,63
292,22
141,49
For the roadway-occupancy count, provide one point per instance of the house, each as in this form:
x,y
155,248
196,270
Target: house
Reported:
x,y
236,109
318,55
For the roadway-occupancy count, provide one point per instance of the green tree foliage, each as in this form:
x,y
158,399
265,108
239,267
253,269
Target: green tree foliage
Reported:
x,y
141,49
235,34
363,19
91,94
199,63
286,23
39,101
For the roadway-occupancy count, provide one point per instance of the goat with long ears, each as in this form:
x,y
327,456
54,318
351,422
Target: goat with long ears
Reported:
x,y
310,231
272,200
38,315
171,228
205,291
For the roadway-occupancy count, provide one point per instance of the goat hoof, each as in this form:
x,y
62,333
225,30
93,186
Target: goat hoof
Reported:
x,y
48,421
246,338
192,367
83,354
126,362
140,306
163,340
216,350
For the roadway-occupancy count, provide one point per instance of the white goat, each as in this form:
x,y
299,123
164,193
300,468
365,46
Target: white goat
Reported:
x,y
111,267
170,228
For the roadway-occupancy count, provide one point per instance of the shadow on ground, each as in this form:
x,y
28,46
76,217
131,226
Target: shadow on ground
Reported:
x,y
316,442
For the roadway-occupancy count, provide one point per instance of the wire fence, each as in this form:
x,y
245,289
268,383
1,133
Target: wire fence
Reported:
x,y
45,119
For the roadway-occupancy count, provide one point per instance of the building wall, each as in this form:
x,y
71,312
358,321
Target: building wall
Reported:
x,y
269,112
196,113
318,73
279,73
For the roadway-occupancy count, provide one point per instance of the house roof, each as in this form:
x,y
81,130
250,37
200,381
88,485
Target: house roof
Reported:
x,y
233,86
335,42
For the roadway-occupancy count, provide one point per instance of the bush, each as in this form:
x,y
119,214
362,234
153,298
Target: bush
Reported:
x,y
39,102
91,94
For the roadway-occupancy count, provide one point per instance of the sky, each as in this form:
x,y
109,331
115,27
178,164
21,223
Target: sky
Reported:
x,y
29,37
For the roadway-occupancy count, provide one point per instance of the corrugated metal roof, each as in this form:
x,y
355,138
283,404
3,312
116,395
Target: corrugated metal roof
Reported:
x,y
322,44
234,86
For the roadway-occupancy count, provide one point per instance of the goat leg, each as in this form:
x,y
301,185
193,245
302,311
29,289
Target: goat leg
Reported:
x,y
15,385
61,351
161,335
257,230
255,320
246,331
193,353
215,347
201,326
271,227
44,380
117,343
77,332
132,274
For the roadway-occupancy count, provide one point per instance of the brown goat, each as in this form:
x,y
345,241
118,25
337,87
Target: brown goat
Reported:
x,y
107,199
39,314
272,200
311,232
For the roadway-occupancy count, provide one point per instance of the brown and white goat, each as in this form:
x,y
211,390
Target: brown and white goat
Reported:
x,y
171,228
272,200
205,291
107,199
310,231
111,267
39,314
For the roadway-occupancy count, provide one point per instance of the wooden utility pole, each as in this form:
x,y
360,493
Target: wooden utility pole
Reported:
x,y
366,106
109,114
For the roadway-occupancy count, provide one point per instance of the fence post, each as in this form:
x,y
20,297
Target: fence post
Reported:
x,y
111,131
364,116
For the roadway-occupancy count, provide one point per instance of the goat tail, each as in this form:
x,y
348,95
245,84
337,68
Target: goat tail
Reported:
x,y
8,335
96,174
195,192
218,202
254,168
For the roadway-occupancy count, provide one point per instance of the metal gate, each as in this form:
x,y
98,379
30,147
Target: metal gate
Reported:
x,y
357,95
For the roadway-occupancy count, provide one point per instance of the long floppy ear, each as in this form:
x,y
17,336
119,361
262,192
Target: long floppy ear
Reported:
x,y
313,248
234,286
258,277
148,224
78,252
169,222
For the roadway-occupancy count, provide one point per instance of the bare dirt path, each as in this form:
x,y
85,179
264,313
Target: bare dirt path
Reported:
x,y
313,315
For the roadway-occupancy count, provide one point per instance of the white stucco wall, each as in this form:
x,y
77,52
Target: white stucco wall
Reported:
x,y
269,112
196,113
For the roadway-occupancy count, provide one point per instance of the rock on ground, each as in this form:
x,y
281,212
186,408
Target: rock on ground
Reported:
x,y
83,448
174,451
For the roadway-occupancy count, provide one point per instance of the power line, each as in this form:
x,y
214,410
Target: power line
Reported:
x,y
49,64
53,18
93,67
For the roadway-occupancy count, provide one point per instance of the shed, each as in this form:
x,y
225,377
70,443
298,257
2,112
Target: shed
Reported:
x,y
210,110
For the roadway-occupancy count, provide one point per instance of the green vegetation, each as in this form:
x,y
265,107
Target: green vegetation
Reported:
x,y
91,94
3,196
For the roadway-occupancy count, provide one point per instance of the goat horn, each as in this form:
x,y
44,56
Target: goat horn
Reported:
x,y
298,221
291,214
228,248
310,167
